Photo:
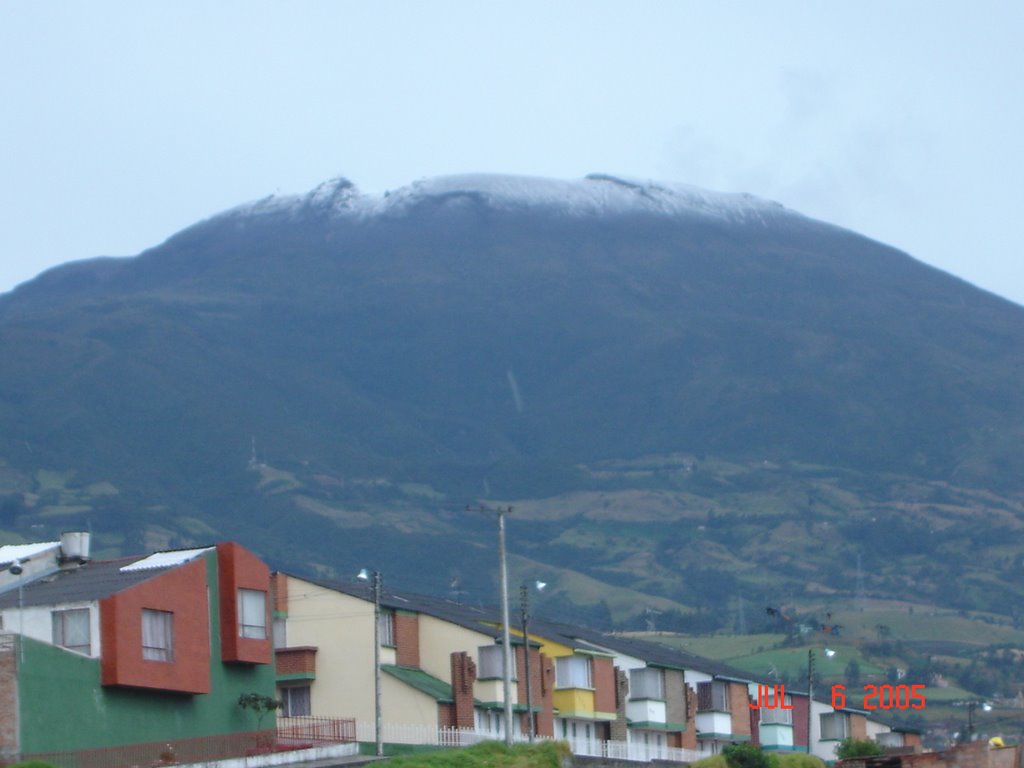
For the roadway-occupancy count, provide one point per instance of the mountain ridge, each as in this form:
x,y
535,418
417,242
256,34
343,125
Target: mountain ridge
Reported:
x,y
393,366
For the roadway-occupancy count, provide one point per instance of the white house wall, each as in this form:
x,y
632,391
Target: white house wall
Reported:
x,y
37,622
646,711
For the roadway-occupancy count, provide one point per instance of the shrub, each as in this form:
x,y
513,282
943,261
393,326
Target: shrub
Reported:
x,y
850,747
745,756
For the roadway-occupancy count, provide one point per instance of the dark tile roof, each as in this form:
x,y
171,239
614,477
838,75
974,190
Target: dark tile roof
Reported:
x,y
468,616
94,580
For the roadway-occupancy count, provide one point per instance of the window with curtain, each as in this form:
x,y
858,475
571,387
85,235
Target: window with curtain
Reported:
x,y
834,726
157,635
491,662
295,701
386,627
777,715
572,672
280,633
713,696
646,684
252,614
71,629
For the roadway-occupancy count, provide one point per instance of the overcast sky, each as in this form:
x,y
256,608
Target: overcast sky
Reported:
x,y
123,122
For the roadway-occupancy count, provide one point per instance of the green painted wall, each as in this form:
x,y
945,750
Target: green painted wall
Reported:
x,y
63,707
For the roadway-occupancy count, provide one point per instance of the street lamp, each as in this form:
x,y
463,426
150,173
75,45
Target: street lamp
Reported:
x,y
374,578
524,595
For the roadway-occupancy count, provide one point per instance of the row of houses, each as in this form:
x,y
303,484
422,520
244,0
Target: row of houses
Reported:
x,y
442,666
166,649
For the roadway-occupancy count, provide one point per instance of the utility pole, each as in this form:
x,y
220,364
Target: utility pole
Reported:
x,y
377,720
506,649
810,695
524,595
375,580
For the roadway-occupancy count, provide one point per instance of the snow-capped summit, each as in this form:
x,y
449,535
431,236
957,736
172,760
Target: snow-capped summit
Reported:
x,y
595,194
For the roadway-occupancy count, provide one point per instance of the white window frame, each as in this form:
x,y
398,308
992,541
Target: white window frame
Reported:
x,y
157,635
252,614
646,683
61,629
828,721
296,697
491,663
280,633
386,628
573,672
779,714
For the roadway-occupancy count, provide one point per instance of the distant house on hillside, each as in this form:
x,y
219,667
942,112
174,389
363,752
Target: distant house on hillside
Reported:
x,y
147,654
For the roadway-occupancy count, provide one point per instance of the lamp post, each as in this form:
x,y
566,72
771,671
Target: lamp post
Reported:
x,y
364,575
16,570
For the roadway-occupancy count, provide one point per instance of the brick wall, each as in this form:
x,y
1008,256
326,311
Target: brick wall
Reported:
x,y
296,661
675,696
978,754
463,677
619,727
545,719
407,639
800,704
8,699
279,593
739,706
689,740
603,675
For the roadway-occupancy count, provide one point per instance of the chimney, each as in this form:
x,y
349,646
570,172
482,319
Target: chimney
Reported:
x,y
74,547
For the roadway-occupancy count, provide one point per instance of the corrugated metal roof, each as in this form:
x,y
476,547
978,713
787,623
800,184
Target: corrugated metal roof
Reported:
x,y
9,553
164,559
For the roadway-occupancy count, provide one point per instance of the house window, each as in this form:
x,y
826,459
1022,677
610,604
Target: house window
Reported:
x,y
71,630
572,672
834,726
157,635
280,633
646,684
889,739
295,701
713,696
777,715
386,628
252,614
491,662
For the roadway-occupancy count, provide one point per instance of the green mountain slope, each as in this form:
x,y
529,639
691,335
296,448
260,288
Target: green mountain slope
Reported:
x,y
719,370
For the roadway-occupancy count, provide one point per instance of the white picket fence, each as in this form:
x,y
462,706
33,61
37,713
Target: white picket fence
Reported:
x,y
398,733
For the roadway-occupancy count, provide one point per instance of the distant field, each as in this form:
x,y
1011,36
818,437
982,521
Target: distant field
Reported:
x,y
719,647
793,661
924,625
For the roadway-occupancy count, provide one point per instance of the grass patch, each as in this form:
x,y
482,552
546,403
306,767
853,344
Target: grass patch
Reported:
x,y
488,754
718,647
